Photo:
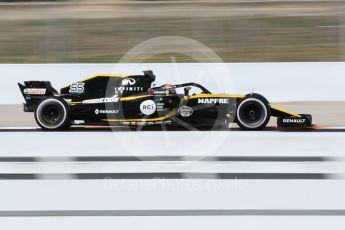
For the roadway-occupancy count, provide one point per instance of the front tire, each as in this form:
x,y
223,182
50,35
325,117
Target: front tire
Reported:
x,y
52,113
253,112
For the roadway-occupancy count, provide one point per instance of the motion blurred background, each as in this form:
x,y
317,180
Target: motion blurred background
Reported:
x,y
98,31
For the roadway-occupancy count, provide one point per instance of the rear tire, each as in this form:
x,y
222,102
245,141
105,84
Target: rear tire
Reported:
x,y
253,112
52,113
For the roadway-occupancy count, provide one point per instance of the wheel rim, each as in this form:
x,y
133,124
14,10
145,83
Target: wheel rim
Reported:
x,y
51,114
252,113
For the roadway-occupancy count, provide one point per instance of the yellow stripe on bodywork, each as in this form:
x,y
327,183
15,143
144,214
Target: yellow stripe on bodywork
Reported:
x,y
168,115
105,75
101,75
205,95
121,99
134,97
285,111
74,102
191,97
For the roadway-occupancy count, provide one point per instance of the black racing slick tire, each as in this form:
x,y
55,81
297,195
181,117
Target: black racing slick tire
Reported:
x,y
52,113
253,112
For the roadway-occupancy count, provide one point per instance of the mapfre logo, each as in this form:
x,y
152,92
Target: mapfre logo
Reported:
x,y
128,81
148,107
213,100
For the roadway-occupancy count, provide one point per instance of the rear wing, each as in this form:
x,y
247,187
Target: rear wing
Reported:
x,y
34,91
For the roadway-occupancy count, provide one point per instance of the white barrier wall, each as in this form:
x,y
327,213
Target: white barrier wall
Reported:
x,y
317,81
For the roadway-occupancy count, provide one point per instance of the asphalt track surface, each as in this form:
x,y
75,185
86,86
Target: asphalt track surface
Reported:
x,y
175,179
325,114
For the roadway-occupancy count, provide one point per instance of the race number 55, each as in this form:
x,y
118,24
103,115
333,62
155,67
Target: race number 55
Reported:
x,y
77,88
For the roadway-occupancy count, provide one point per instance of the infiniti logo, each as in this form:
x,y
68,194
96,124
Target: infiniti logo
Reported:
x,y
128,81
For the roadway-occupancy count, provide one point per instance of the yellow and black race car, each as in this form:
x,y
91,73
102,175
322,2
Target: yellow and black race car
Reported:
x,y
130,100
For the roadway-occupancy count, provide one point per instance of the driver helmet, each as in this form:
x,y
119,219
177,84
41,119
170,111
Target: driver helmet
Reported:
x,y
170,88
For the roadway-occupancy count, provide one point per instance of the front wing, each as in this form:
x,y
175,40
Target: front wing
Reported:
x,y
288,119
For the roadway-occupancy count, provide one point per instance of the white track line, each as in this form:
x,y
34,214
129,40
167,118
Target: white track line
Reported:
x,y
179,194
175,143
170,167
173,222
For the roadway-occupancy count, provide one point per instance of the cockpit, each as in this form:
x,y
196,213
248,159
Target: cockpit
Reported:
x,y
185,89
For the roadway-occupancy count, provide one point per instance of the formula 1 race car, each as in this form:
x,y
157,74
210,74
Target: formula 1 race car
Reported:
x,y
131,100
